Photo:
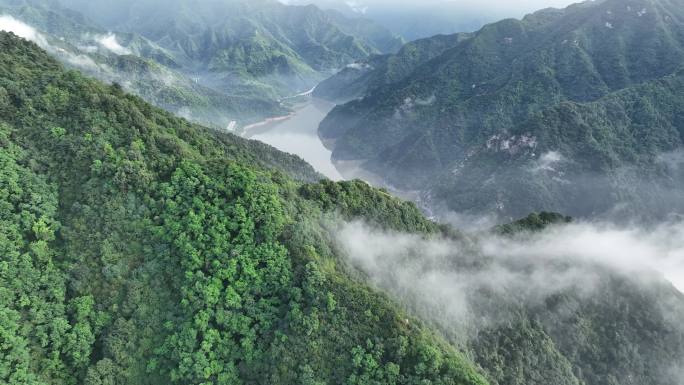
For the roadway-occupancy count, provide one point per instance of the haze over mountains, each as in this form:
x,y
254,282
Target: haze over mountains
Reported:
x,y
139,247
576,110
213,63
419,19
132,61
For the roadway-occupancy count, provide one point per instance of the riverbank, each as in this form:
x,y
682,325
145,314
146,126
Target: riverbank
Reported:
x,y
297,134
254,129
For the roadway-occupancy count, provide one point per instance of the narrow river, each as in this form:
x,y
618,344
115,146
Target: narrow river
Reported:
x,y
298,135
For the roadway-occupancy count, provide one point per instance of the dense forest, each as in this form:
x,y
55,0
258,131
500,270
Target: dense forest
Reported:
x,y
527,115
138,248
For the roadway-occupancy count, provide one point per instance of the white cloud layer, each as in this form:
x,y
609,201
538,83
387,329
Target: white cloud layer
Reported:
x,y
629,250
23,30
574,256
109,42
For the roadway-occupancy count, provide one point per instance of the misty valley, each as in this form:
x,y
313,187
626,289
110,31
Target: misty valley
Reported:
x,y
298,135
367,192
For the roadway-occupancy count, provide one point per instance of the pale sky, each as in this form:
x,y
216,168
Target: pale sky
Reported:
x,y
514,7
507,4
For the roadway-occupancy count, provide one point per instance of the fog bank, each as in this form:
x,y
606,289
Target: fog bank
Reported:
x,y
23,30
443,275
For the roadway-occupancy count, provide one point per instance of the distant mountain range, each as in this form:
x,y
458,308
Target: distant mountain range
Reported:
x,y
579,111
425,18
221,63
259,45
134,62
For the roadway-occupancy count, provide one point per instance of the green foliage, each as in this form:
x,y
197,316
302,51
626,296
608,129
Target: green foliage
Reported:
x,y
523,353
184,71
535,222
137,248
469,118
34,331
358,199
237,276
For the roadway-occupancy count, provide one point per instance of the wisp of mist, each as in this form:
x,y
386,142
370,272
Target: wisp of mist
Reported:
x,y
25,31
440,275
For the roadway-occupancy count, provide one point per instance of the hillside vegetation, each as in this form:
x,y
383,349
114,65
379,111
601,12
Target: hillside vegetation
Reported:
x,y
140,66
528,115
222,64
140,249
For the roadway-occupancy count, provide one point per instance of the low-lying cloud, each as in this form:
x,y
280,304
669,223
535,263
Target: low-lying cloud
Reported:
x,y
673,160
110,42
440,278
548,161
23,30
628,250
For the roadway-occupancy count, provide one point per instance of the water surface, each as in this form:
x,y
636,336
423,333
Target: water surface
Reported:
x,y
299,135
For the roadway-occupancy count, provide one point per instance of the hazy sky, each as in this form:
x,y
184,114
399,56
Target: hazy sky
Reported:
x,y
414,19
506,4
512,7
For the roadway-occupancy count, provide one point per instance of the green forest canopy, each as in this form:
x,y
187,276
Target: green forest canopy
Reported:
x,y
140,249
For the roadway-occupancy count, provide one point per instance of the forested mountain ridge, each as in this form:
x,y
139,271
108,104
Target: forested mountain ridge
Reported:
x,y
529,315
358,78
474,117
420,19
140,249
137,248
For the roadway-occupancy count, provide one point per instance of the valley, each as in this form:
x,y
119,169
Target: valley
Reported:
x,y
324,192
471,120
298,134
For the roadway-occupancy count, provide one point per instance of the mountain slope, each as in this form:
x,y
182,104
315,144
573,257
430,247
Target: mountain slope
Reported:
x,y
471,109
134,62
141,249
421,19
530,306
138,248
218,63
358,78
261,46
